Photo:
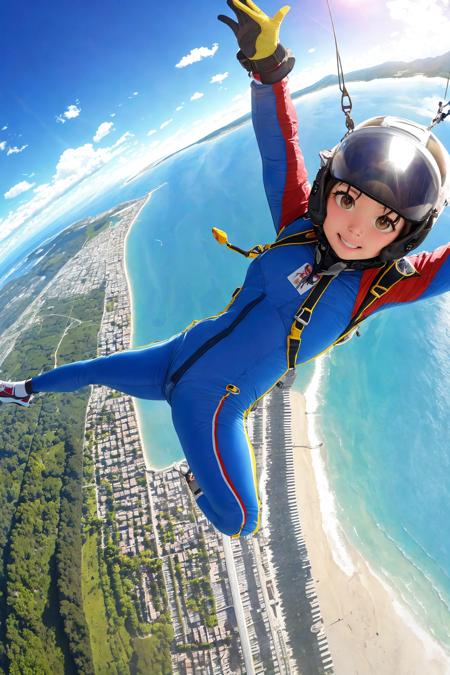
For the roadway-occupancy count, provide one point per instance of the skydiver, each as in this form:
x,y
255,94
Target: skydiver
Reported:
x,y
374,200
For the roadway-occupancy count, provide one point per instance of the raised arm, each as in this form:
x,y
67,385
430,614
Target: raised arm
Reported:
x,y
274,116
284,172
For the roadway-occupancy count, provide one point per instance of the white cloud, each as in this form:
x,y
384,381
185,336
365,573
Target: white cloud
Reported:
x,y
75,163
197,54
425,107
179,107
104,129
311,50
125,137
425,27
15,150
219,78
166,123
154,144
151,132
196,96
17,189
5,127
72,111
41,189
134,94
58,195
417,13
2,145
112,114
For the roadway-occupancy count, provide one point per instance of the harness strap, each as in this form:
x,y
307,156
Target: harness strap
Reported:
x,y
386,279
304,313
303,317
305,237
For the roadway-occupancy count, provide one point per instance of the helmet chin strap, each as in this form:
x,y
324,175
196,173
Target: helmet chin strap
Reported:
x,y
327,262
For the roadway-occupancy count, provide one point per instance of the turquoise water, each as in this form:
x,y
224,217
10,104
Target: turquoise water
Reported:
x,y
178,272
385,403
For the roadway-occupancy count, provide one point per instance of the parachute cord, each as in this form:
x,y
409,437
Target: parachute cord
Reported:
x,y
441,115
346,106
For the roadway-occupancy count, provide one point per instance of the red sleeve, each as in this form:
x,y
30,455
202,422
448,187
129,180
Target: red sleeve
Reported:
x,y
432,278
284,172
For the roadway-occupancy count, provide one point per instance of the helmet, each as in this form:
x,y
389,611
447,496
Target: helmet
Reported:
x,y
398,163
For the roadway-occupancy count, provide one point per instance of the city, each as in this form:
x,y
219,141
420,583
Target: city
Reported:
x,y
227,599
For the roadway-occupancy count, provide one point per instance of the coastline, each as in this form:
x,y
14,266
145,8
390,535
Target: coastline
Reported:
x,y
369,632
124,257
132,315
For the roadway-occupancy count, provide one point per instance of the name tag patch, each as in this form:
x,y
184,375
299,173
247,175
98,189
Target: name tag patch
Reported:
x,y
299,276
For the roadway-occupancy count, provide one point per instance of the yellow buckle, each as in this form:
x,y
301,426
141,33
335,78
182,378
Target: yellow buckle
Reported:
x,y
376,293
298,316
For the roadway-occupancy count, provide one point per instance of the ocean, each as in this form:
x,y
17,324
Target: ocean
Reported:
x,y
381,401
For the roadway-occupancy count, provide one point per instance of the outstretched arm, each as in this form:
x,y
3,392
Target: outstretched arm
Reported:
x,y
434,270
427,275
274,116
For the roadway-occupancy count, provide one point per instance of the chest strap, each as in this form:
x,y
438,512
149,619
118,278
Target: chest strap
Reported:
x,y
303,317
386,279
304,313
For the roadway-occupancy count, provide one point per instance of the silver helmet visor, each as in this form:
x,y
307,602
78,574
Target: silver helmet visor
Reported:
x,y
391,168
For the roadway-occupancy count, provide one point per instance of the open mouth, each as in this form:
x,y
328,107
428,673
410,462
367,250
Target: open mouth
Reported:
x,y
347,244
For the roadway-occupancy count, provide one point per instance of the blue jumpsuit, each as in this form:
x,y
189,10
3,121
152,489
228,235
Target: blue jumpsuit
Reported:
x,y
214,371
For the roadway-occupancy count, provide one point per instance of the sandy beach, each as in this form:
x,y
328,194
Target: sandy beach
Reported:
x,y
368,631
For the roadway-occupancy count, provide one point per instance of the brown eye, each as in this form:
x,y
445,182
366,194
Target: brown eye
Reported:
x,y
384,224
344,200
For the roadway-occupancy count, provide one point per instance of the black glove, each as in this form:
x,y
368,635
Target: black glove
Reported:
x,y
257,36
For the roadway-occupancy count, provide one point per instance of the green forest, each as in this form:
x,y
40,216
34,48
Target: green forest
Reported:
x,y
68,599
43,628
47,519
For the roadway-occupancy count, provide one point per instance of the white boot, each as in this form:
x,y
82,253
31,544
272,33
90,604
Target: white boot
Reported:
x,y
14,392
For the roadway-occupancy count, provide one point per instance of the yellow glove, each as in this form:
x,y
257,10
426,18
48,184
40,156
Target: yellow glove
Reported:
x,y
258,38
268,39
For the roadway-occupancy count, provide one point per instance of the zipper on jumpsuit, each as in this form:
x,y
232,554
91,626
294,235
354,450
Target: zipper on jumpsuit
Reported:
x,y
178,374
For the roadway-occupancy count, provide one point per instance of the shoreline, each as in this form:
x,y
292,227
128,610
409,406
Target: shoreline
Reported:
x,y
124,258
132,314
369,631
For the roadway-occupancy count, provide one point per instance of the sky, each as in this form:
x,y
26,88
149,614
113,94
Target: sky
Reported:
x,y
93,91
